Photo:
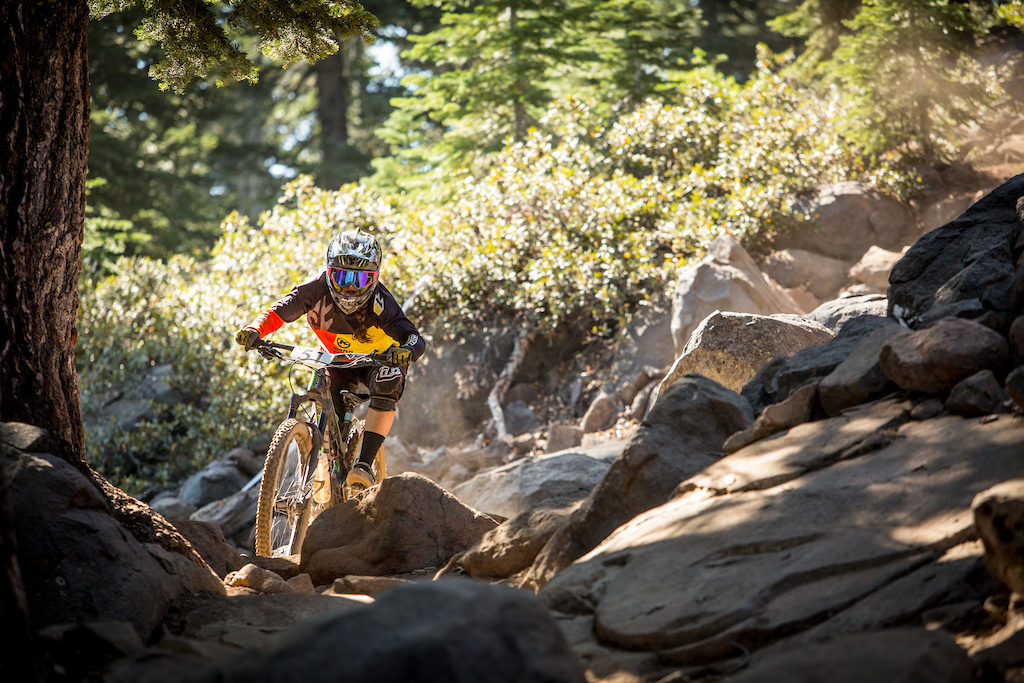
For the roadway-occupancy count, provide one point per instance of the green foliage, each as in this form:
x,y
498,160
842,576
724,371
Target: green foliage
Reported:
x,y
200,38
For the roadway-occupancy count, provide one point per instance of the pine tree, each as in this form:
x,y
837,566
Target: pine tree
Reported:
x,y
490,68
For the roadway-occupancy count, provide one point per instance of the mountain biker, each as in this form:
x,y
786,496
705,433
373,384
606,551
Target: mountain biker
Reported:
x,y
350,310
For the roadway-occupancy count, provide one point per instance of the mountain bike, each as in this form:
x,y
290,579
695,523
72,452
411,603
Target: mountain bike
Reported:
x,y
310,453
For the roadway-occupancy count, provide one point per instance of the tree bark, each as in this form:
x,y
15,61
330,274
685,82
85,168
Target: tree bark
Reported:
x,y
334,94
44,117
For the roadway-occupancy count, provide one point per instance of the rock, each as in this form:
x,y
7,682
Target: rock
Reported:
x,y
836,313
400,458
934,359
234,515
79,563
513,545
248,461
804,448
999,519
214,482
600,414
790,412
820,275
681,435
632,385
969,259
448,630
563,436
551,480
703,575
257,579
519,418
874,267
172,507
208,540
1001,652
727,279
1016,339
904,655
979,394
366,585
301,583
781,377
1015,386
405,523
731,348
847,219
927,409
859,378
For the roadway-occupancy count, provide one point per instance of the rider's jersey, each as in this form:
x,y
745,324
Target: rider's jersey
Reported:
x,y
388,325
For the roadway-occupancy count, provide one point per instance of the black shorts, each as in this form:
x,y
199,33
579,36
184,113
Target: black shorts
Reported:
x,y
385,384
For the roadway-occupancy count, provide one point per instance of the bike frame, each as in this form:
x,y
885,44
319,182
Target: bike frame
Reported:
x,y
327,427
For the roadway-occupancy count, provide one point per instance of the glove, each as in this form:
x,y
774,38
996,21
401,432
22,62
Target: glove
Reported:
x,y
247,337
398,355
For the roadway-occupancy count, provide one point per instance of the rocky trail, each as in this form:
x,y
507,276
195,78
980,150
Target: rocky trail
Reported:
x,y
804,467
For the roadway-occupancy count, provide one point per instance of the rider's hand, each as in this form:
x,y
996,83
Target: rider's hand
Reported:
x,y
247,337
397,355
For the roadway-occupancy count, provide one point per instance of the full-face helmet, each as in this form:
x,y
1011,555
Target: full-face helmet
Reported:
x,y
353,262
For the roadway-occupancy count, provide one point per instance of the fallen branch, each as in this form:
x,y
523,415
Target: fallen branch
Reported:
x,y
497,395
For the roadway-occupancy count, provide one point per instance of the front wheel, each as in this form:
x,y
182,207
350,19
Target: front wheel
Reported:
x,y
282,512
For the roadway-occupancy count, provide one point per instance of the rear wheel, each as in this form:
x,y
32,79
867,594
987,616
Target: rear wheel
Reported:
x,y
355,443
283,510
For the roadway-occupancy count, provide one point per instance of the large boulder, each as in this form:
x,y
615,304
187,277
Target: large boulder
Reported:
x,y
964,267
780,378
731,348
682,434
727,279
514,545
907,655
848,218
819,539
449,630
406,523
78,562
820,275
549,480
934,359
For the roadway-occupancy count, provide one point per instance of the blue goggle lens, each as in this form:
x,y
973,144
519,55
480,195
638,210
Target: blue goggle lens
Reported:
x,y
341,278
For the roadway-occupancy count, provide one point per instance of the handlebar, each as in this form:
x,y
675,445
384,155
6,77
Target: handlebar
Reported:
x,y
316,358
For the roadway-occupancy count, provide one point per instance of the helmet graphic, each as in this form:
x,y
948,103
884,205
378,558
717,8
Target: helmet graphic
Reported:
x,y
353,259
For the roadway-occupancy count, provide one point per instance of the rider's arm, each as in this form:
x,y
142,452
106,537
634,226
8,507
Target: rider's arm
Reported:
x,y
266,322
397,326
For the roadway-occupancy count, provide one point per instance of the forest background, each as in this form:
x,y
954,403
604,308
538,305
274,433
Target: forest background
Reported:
x,y
527,165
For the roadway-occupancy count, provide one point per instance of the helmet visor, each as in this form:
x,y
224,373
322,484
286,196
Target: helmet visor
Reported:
x,y
343,278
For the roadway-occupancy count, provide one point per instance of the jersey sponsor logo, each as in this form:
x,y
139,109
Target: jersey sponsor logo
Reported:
x,y
378,303
388,372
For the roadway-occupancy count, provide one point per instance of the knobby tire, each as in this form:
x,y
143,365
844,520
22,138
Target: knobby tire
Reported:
x,y
280,531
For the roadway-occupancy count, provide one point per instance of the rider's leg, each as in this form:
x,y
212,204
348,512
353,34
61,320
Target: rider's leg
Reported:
x,y
375,430
386,385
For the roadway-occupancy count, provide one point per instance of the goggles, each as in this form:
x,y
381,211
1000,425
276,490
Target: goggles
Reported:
x,y
340,278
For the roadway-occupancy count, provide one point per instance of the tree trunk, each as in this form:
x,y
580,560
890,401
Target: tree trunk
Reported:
x,y
334,92
44,116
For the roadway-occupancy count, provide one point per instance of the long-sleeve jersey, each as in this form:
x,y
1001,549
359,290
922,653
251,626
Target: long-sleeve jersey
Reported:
x,y
388,325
